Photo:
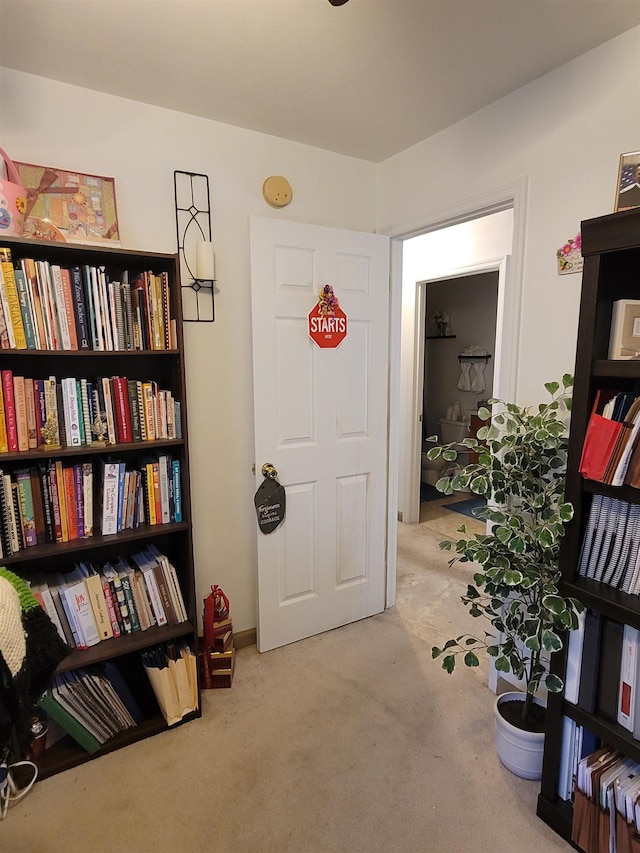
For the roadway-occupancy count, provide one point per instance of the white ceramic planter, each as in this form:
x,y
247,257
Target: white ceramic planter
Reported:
x,y
519,751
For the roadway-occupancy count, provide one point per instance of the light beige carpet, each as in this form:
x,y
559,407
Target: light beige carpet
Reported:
x,y
351,741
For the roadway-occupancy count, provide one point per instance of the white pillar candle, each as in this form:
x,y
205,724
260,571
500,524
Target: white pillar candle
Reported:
x,y
205,266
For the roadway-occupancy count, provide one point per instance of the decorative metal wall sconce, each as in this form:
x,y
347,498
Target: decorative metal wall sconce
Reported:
x,y
193,229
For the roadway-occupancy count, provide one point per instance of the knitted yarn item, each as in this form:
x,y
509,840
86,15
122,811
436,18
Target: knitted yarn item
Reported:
x,y
13,641
21,689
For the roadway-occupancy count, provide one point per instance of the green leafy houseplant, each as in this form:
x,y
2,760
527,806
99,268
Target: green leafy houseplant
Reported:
x,y
521,473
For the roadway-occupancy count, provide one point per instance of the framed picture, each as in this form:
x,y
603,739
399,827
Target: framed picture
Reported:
x,y
624,338
69,206
628,192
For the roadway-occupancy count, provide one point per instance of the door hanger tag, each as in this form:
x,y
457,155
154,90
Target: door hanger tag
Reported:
x,y
270,501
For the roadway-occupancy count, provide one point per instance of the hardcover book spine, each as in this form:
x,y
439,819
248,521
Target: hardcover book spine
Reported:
x,y
6,332
60,309
80,309
47,505
51,405
111,607
72,413
131,605
122,409
10,410
29,269
20,398
62,500
68,296
70,501
32,426
13,299
87,488
108,409
55,501
78,493
25,308
38,506
25,503
4,444
40,408
177,490
110,478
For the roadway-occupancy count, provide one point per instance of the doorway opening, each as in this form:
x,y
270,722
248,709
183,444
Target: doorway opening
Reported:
x,y
460,315
475,247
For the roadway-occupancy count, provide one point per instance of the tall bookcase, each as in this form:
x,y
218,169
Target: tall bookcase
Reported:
x,y
611,251
164,367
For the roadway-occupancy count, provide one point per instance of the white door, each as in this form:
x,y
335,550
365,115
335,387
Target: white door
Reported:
x,y
321,420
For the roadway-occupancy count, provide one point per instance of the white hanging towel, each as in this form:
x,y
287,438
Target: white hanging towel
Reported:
x,y
472,371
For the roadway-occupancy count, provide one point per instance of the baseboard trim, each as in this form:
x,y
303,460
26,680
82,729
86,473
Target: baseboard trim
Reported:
x,y
241,639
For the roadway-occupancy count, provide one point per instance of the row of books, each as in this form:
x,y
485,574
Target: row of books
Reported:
x,y
94,602
74,412
54,501
606,812
94,704
603,670
147,491
48,502
611,450
577,743
610,551
48,306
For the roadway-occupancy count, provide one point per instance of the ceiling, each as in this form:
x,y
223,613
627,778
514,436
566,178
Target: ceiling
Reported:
x,y
367,79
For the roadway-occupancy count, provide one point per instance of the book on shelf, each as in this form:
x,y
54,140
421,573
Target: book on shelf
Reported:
x,y
10,289
49,702
61,308
608,678
80,309
109,484
25,309
4,443
628,677
7,340
97,600
590,662
32,425
574,661
10,410
146,567
26,508
120,604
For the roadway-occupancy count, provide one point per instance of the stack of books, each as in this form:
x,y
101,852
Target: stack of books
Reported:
x,y
48,307
218,659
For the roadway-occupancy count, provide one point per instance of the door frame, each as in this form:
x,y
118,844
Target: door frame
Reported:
x,y
513,195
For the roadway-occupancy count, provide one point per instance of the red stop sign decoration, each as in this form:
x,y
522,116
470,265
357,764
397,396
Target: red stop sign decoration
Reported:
x,y
327,330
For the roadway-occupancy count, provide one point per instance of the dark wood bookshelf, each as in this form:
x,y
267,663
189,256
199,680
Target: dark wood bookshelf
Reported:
x,y
166,368
611,251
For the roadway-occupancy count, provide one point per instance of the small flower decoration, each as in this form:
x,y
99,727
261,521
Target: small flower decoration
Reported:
x,y
328,301
569,256
21,204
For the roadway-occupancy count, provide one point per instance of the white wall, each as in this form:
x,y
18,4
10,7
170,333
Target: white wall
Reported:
x,y
50,123
565,133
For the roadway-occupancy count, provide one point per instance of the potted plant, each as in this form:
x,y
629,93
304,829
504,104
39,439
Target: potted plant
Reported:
x,y
520,470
